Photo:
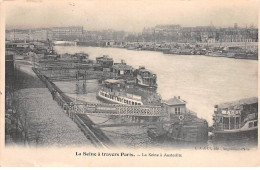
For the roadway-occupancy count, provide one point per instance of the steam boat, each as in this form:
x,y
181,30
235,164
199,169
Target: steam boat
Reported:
x,y
127,93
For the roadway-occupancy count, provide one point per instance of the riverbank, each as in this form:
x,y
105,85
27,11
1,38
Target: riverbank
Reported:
x,y
37,117
235,50
202,81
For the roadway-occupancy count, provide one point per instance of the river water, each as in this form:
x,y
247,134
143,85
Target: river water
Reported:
x,y
202,81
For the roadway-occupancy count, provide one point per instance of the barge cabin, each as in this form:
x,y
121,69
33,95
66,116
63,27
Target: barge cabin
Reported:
x,y
236,119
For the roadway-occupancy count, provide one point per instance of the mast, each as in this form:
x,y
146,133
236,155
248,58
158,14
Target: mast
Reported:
x,y
246,38
14,34
154,37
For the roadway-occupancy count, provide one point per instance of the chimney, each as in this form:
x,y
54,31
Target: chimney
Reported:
x,y
216,109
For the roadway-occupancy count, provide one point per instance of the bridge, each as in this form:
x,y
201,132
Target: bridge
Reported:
x,y
119,110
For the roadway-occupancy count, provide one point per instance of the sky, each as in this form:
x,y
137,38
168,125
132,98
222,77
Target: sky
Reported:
x,y
130,15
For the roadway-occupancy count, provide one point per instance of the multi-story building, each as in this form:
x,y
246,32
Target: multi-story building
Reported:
x,y
27,35
165,33
200,34
66,33
17,34
40,35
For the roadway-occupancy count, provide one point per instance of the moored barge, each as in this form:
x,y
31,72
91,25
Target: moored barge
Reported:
x,y
127,93
146,78
236,120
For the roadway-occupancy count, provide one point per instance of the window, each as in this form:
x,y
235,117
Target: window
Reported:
x,y
251,124
225,123
177,111
255,123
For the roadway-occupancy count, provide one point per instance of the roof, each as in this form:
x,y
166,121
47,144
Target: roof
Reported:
x,y
122,67
113,81
20,43
145,70
175,101
251,100
81,53
104,57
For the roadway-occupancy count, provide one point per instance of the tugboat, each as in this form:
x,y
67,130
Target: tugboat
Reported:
x,y
236,120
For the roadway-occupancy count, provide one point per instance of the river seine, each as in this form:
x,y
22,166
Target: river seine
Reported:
x,y
202,81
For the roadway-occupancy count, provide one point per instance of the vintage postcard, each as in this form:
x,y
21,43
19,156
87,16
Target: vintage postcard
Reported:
x,y
129,83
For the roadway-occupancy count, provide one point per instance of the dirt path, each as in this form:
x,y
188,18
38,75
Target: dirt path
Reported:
x,y
47,124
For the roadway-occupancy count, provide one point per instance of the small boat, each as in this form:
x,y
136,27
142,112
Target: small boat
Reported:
x,y
216,54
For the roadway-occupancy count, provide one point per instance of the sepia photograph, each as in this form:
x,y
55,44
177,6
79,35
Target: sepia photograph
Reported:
x,y
132,80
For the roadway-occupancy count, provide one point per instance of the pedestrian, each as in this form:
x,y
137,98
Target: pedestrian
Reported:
x,y
52,93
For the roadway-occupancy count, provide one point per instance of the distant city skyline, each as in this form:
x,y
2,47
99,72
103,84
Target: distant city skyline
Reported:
x,y
144,28
130,15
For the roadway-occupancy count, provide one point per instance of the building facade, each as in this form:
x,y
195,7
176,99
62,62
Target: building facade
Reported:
x,y
199,34
66,33
175,107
